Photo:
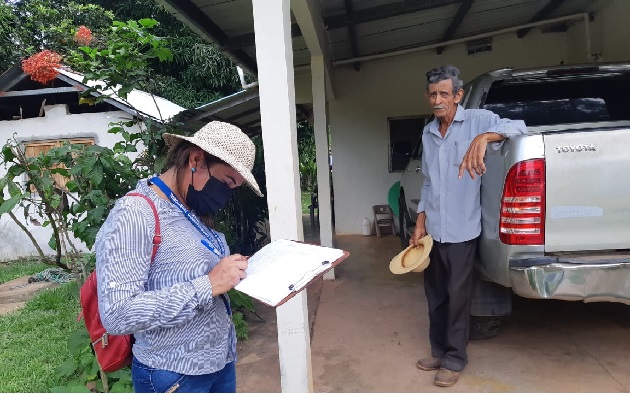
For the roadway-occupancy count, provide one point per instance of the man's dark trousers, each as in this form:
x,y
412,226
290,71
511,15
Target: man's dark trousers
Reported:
x,y
448,286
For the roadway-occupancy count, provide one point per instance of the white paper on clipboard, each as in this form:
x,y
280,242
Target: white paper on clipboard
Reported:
x,y
284,266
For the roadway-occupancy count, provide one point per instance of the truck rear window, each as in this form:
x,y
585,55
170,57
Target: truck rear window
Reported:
x,y
547,102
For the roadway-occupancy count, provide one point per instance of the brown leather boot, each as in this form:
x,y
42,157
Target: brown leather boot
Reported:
x,y
429,363
446,378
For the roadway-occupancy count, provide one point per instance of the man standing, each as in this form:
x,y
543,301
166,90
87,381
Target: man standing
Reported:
x,y
450,211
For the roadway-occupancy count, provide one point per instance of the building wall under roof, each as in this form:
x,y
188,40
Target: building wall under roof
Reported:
x,y
56,124
609,35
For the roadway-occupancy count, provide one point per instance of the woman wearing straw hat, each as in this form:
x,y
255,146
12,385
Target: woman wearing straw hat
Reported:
x,y
176,303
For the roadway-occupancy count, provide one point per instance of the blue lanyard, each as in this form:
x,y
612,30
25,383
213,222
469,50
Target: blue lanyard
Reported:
x,y
193,219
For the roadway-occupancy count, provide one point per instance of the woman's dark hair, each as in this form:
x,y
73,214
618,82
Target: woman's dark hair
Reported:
x,y
178,157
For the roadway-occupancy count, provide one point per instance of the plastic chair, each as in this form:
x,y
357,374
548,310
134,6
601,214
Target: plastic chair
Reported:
x,y
383,218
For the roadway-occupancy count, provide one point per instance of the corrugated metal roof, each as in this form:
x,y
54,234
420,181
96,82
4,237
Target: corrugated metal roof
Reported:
x,y
233,16
379,25
155,107
495,14
137,103
371,27
241,109
404,31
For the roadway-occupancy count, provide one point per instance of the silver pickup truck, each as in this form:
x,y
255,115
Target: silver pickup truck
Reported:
x,y
555,203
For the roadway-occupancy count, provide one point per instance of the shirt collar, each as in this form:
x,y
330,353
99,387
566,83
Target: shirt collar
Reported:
x,y
460,115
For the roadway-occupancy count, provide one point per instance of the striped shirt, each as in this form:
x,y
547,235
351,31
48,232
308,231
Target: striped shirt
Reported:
x,y
452,206
167,305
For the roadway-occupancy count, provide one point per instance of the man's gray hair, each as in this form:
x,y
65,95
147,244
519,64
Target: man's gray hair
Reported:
x,y
445,73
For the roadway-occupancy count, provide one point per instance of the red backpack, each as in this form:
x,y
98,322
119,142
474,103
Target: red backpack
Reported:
x,y
113,352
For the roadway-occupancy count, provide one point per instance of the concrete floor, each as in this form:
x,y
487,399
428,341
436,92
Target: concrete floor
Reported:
x,y
370,326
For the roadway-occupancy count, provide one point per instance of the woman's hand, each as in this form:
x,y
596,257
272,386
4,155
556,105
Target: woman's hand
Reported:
x,y
227,273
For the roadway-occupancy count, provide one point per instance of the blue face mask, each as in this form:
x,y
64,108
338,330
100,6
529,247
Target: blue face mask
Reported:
x,y
210,199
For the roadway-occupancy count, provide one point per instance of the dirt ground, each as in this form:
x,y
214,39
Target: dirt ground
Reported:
x,y
14,294
369,327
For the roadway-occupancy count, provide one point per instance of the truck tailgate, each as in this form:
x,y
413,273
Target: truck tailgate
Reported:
x,y
587,190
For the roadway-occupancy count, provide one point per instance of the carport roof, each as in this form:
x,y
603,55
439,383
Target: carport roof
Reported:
x,y
357,30
241,109
368,28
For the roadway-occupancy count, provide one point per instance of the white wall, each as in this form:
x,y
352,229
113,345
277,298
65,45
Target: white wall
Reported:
x,y
393,87
615,31
609,33
56,124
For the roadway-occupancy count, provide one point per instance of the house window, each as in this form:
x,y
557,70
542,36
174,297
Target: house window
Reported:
x,y
34,148
404,133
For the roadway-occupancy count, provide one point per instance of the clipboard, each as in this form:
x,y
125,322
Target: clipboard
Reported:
x,y
283,268
295,292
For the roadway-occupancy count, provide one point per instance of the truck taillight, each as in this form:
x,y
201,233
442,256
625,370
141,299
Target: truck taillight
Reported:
x,y
523,204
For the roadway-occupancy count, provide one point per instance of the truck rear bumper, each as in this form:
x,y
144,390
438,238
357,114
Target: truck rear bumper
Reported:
x,y
566,281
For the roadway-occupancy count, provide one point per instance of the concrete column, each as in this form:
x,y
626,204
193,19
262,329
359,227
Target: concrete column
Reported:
x,y
274,56
320,120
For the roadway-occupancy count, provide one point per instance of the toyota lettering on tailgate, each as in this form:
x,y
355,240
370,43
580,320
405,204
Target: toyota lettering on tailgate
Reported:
x,y
575,148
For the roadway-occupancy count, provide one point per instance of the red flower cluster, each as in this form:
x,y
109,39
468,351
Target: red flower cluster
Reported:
x,y
42,66
83,36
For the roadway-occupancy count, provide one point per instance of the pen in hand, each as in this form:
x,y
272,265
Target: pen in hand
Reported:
x,y
214,250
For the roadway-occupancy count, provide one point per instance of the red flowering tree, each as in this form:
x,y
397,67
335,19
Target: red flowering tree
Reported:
x,y
42,66
83,36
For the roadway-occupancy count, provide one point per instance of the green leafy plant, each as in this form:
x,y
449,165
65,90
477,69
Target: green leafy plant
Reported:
x,y
113,60
34,339
81,373
123,61
308,164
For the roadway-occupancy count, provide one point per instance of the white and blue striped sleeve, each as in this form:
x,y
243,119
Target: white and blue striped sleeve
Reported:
x,y
123,258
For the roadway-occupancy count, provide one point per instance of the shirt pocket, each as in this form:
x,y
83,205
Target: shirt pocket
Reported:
x,y
461,147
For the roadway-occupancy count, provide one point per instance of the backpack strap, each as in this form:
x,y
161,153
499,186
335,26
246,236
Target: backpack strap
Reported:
x,y
157,237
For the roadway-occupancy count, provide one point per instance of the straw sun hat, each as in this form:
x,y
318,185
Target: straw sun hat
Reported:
x,y
412,259
226,142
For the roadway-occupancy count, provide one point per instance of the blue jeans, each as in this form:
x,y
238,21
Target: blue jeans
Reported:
x,y
147,379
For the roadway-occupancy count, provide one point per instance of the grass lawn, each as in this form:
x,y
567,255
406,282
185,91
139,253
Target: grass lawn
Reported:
x,y
35,338
20,268
306,201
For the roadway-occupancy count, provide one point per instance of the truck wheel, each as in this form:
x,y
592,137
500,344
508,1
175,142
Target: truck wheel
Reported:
x,y
484,327
403,221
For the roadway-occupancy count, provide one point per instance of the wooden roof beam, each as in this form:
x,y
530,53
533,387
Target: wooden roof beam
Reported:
x,y
249,39
457,19
391,9
544,12
352,34
308,14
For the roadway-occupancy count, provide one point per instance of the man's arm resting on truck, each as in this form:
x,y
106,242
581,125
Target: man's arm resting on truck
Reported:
x,y
473,159
492,124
